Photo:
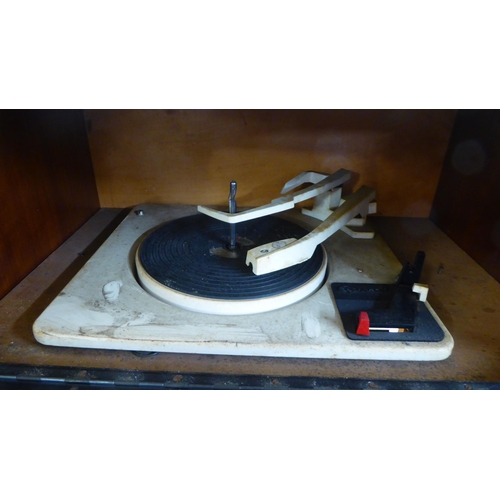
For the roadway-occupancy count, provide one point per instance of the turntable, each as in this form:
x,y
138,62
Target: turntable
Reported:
x,y
268,281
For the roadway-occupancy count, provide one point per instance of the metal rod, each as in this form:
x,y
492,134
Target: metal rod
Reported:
x,y
232,210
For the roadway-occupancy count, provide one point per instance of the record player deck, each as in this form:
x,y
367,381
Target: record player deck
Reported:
x,y
271,281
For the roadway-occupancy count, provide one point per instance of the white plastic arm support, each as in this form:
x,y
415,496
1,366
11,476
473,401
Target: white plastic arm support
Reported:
x,y
285,253
323,184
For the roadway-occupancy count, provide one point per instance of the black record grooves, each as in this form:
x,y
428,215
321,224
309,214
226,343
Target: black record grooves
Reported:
x,y
191,255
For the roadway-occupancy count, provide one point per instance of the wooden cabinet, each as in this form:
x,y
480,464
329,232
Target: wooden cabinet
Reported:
x,y
47,187
467,203
69,169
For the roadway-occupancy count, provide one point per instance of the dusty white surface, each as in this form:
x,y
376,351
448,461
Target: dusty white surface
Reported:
x,y
91,313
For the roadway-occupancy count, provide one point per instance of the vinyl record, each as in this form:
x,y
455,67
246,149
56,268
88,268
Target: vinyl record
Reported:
x,y
187,262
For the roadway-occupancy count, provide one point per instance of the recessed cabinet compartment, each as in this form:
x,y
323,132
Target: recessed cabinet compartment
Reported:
x,y
70,177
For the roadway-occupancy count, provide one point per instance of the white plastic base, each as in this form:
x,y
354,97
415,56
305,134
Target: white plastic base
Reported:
x,y
105,307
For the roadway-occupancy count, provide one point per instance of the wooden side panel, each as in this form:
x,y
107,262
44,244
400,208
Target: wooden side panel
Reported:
x,y
467,203
47,187
190,156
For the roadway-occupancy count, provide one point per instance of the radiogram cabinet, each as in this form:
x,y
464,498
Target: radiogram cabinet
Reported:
x,y
69,176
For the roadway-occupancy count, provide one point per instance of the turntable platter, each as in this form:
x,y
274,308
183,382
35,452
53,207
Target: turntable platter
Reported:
x,y
187,262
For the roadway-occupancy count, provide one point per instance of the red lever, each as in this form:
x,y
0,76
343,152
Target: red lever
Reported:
x,y
364,324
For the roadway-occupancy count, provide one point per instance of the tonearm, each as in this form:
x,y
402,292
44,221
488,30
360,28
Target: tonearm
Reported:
x,y
330,207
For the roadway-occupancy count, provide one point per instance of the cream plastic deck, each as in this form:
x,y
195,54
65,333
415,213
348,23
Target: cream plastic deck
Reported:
x,y
104,307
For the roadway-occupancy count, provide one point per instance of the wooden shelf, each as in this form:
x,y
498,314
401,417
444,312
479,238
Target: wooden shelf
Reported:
x,y
464,295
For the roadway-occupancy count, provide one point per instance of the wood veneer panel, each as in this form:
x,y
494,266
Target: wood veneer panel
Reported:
x,y
47,186
190,156
467,202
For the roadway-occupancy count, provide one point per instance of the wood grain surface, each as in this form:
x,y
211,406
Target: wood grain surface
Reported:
x,y
47,187
467,206
190,156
